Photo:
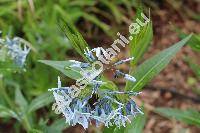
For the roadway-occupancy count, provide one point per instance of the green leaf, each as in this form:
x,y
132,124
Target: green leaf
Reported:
x,y
188,116
20,100
194,41
6,113
64,67
136,125
40,101
150,68
141,42
74,36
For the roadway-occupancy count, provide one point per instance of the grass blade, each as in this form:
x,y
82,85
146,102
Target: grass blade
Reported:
x,y
188,116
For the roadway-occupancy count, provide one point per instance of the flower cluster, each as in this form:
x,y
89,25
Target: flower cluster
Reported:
x,y
99,105
17,50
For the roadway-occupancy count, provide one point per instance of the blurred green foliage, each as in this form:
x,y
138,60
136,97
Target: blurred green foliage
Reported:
x,y
189,116
37,21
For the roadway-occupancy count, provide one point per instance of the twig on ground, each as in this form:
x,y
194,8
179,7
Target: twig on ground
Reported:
x,y
174,92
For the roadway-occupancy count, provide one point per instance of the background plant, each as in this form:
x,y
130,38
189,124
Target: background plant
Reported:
x,y
32,21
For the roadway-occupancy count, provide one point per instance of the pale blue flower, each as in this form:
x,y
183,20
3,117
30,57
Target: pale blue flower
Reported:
x,y
123,61
17,50
126,76
107,109
89,55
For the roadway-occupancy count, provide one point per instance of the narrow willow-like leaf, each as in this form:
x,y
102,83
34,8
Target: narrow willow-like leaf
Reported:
x,y
63,66
151,67
74,36
137,125
20,100
188,116
141,42
40,101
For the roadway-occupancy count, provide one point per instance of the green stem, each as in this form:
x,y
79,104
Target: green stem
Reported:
x,y
26,124
25,121
4,94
